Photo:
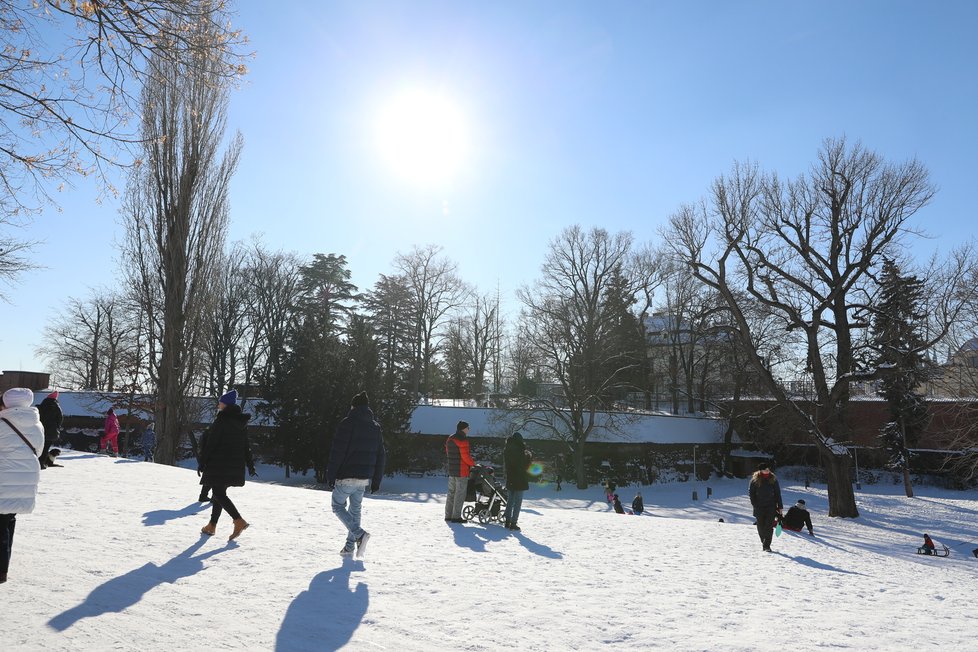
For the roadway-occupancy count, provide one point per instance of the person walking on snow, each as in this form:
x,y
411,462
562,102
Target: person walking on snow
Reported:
x,y
459,463
796,517
765,497
51,418
356,461
638,506
111,435
21,440
148,442
223,457
516,459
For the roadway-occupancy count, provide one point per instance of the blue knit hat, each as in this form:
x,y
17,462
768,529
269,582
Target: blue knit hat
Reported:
x,y
231,398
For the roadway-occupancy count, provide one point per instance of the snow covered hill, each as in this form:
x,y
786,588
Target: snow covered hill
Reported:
x,y
112,559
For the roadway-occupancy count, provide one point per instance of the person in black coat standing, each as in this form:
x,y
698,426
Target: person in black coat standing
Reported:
x,y
517,460
51,418
765,497
223,457
356,461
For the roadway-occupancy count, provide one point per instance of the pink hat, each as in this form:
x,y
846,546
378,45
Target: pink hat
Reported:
x,y
53,394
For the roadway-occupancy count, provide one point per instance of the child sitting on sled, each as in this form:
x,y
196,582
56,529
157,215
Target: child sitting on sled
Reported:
x,y
928,547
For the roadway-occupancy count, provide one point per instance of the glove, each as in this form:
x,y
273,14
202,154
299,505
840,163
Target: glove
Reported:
x,y
252,472
374,488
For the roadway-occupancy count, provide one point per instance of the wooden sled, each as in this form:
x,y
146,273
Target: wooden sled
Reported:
x,y
940,551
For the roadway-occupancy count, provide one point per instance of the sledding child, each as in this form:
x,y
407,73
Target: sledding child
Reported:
x,y
796,517
928,547
637,505
617,502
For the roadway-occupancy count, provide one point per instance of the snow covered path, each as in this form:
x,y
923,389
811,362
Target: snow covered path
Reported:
x,y
112,559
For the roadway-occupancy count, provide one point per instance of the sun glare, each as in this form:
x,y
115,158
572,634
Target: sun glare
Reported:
x,y
422,137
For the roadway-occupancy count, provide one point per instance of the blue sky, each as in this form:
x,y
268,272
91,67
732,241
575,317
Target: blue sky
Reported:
x,y
609,114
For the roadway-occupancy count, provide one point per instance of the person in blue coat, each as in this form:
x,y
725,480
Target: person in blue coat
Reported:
x,y
148,442
356,462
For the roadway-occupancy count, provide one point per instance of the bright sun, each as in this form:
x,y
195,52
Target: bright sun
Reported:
x,y
422,137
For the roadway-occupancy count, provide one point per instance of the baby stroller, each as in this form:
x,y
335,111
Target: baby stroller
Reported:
x,y
487,494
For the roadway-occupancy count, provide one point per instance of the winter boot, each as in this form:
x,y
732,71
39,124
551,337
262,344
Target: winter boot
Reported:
x,y
362,544
240,525
210,529
514,527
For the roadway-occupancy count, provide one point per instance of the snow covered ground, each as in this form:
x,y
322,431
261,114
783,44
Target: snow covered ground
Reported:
x,y
112,559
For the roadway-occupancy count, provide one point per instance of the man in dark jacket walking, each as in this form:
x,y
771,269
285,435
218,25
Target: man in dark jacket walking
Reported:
x,y
356,461
223,457
517,461
51,419
765,497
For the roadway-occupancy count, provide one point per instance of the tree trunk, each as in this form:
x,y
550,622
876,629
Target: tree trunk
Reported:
x,y
579,467
838,470
908,487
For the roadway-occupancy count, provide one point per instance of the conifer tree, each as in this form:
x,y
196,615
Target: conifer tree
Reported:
x,y
899,343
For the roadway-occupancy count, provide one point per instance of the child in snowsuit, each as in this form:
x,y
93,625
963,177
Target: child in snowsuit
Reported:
x,y
928,547
111,435
637,505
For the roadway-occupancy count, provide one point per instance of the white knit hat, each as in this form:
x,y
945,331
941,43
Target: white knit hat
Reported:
x,y
18,397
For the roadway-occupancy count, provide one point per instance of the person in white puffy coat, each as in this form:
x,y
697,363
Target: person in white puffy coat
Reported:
x,y
19,466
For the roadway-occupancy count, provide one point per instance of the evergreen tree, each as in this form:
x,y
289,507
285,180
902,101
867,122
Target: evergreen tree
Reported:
x,y
898,342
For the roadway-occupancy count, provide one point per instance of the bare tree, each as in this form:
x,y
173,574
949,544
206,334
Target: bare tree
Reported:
x,y
475,332
272,294
70,74
569,322
176,213
228,323
806,252
436,290
87,342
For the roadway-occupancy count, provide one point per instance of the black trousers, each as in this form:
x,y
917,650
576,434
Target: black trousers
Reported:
x,y
7,523
221,503
765,525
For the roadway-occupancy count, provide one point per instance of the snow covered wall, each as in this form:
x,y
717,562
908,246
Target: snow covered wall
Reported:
x,y
637,428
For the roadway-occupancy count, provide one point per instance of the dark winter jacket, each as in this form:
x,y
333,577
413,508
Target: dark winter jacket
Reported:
x,y
637,505
51,419
765,493
459,459
618,508
224,450
516,459
795,518
358,449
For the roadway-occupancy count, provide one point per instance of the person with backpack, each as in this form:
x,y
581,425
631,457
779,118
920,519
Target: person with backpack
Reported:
x,y
765,497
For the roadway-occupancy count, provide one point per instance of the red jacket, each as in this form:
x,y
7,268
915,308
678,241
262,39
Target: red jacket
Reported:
x,y
459,459
111,425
